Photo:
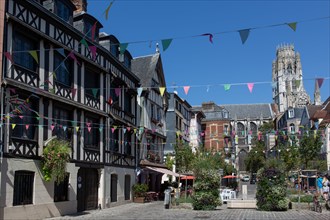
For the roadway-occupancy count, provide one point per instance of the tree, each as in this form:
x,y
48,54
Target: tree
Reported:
x,y
256,157
184,157
309,147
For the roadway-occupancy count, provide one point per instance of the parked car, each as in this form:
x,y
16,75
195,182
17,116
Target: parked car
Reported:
x,y
246,178
253,179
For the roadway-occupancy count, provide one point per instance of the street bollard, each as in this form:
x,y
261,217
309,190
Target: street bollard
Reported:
x,y
167,198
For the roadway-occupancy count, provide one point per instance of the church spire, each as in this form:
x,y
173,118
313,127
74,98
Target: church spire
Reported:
x,y
317,94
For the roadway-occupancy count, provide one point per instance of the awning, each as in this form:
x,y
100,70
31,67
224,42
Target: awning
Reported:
x,y
187,178
165,171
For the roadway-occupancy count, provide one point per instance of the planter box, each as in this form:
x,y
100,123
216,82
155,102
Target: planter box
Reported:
x,y
139,199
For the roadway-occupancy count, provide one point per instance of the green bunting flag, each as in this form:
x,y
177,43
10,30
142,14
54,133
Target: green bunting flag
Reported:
x,y
166,43
34,54
226,87
95,91
123,47
292,25
84,42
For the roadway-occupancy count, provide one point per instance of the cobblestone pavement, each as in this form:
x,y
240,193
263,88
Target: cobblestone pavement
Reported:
x,y
156,210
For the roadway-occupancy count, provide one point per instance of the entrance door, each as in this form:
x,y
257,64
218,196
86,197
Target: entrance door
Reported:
x,y
87,189
114,180
127,187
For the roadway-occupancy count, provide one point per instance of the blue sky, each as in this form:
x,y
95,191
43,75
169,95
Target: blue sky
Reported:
x,y
205,67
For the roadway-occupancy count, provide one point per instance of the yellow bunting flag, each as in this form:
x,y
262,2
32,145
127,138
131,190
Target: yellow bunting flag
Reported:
x,y
34,54
13,126
77,128
161,90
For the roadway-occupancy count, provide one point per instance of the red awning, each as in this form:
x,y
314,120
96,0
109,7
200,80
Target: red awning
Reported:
x,y
187,178
229,177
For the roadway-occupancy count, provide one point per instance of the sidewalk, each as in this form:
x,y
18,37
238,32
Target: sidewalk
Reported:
x,y
156,210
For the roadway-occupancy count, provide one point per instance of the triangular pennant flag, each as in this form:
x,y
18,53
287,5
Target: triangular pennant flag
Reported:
x,y
320,82
186,89
124,129
161,90
52,127
244,34
297,82
95,91
73,91
112,130
13,126
9,57
61,51
93,31
135,130
210,37
107,10
274,85
227,87
88,124
117,91
77,128
123,47
100,129
38,118
292,25
21,116
27,127
93,51
64,128
34,54
139,91
110,101
207,88
178,133
166,43
128,128
250,86
84,42
89,129
72,56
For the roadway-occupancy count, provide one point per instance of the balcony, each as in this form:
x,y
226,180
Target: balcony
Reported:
x,y
91,154
63,90
91,101
23,147
116,158
24,75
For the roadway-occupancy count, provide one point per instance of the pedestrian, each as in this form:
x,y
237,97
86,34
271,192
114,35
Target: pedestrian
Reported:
x,y
319,183
325,188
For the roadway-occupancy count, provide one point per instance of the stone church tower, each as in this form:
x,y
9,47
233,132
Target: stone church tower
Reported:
x,y
288,88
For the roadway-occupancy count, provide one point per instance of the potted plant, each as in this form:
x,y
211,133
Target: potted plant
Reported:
x,y
139,192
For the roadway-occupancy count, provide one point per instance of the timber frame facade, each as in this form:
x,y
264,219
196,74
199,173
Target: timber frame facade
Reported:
x,y
62,78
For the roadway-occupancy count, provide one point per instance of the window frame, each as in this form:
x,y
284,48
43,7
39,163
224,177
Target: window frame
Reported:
x,y
22,189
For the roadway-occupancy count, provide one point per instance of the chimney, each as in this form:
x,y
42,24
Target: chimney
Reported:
x,y
81,5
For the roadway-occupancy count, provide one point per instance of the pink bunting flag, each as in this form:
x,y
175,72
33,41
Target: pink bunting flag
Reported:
x,y
210,37
88,124
13,90
21,116
89,129
73,91
128,128
9,57
110,101
250,86
117,91
112,130
93,31
186,89
320,82
93,51
72,56
52,127
27,127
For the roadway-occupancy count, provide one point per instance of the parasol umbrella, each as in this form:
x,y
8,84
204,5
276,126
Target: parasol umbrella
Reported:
x,y
229,177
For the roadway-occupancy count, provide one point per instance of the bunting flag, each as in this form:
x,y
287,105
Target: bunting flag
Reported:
x,y
77,128
166,43
93,31
207,88
72,56
297,82
124,130
21,116
38,118
64,128
274,85
93,51
161,90
89,129
112,130
12,90
244,34
52,127
27,127
73,91
135,130
88,124
117,91
13,126
226,87
84,42
34,54
107,10
123,47
95,91
320,82
178,133
139,91
128,129
9,57
250,86
210,37
61,51
186,89
100,129
110,101
292,25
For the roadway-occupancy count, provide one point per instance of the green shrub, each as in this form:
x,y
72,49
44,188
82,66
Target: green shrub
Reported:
x,y
303,198
140,189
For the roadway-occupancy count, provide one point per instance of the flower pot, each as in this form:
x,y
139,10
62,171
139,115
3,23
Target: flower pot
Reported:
x,y
139,199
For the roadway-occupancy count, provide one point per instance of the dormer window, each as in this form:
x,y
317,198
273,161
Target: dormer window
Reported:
x,y
63,11
291,113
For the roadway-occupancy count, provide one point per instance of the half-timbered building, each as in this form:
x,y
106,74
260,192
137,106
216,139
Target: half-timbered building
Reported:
x,y
62,79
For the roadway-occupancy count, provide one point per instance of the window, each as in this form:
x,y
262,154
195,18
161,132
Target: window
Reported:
x,y
61,120
127,62
114,49
226,129
128,140
92,84
23,187
115,141
225,114
128,102
292,128
88,29
159,115
61,190
62,69
63,11
113,95
23,44
240,130
25,118
91,134
291,113
152,110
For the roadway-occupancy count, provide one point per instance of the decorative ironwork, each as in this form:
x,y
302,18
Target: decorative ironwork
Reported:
x,y
24,147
